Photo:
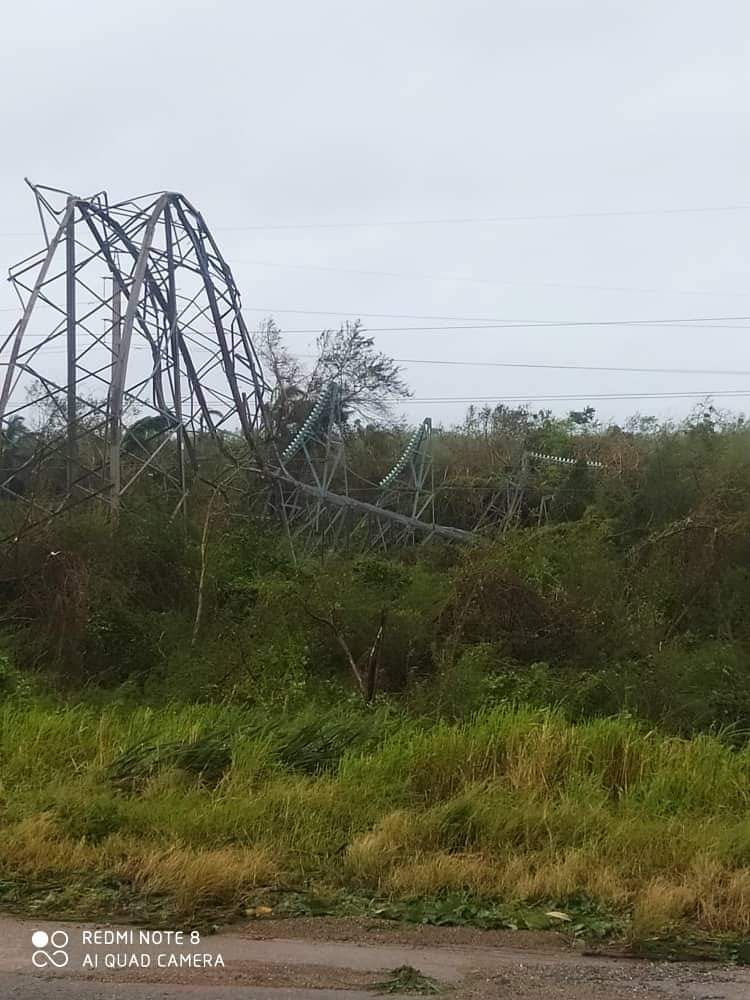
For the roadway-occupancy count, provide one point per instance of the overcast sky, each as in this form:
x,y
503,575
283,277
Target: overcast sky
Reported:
x,y
310,133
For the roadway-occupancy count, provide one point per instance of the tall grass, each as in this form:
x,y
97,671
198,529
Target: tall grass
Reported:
x,y
515,804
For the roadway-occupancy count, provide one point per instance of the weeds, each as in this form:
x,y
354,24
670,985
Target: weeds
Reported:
x,y
317,747
207,757
407,979
507,820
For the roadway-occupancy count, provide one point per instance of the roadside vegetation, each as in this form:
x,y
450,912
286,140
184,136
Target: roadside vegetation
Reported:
x,y
557,733
601,824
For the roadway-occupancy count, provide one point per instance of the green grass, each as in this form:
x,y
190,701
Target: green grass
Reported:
x,y
194,810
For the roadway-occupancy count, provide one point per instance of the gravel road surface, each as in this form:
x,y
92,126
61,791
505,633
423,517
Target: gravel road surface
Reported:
x,y
332,960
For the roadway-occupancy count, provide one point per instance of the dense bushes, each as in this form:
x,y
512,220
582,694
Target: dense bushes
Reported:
x,y
89,602
632,595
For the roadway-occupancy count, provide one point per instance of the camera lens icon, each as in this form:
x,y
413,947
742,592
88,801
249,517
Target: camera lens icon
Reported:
x,y
56,956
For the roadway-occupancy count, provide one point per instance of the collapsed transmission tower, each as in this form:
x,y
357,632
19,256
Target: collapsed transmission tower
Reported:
x,y
163,340
409,486
132,344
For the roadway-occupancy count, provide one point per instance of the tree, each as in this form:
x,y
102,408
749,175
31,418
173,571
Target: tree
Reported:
x,y
286,408
583,418
368,380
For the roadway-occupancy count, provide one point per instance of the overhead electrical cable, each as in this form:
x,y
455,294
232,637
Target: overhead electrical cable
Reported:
x,y
483,320
696,323
564,367
491,219
471,220
582,396
492,282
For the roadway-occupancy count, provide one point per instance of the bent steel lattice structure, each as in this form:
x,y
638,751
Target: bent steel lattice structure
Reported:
x,y
132,341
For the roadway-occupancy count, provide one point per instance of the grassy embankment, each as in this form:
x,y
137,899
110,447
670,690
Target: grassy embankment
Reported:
x,y
497,820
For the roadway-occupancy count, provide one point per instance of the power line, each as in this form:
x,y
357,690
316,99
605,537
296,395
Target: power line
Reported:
x,y
564,367
549,366
485,281
697,322
469,220
491,219
563,397
690,323
580,397
484,320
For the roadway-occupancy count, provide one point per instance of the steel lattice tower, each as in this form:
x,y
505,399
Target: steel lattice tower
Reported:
x,y
132,340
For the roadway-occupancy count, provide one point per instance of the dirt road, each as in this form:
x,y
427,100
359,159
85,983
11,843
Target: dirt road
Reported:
x,y
330,960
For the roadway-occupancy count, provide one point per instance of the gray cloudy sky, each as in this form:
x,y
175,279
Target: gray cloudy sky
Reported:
x,y
289,122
